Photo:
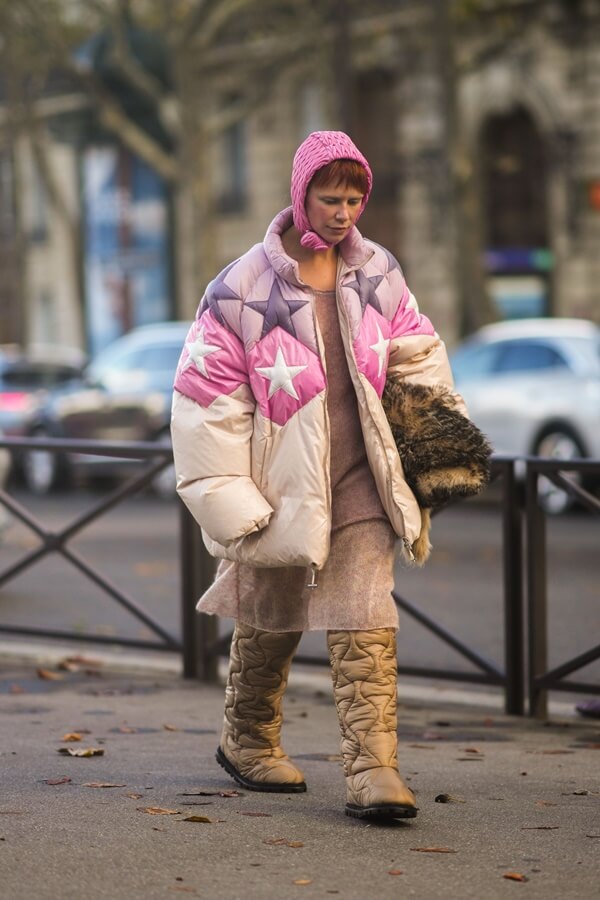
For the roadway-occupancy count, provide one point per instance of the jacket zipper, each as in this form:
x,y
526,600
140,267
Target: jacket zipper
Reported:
x,y
312,583
408,547
357,386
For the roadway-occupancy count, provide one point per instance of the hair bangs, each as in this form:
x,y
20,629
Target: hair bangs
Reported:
x,y
342,173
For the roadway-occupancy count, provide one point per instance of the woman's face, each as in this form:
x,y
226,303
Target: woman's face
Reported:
x,y
332,210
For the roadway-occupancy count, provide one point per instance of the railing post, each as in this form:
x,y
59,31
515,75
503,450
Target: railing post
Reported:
x,y
536,594
512,529
199,631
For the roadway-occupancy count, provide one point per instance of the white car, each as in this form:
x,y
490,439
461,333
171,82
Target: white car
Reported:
x,y
533,386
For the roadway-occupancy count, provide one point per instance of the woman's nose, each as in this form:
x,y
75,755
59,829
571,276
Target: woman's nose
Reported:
x,y
342,214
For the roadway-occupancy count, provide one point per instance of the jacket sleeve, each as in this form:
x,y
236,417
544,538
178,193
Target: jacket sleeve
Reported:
x,y
417,353
211,426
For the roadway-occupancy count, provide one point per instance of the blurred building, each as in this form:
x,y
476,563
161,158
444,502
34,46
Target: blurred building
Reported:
x,y
483,134
523,183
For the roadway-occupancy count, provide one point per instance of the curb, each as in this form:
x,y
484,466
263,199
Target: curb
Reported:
x,y
301,677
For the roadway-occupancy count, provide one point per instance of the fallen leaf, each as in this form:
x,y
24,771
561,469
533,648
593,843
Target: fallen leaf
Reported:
x,y
47,675
158,811
554,752
197,819
580,792
67,665
283,842
133,796
72,736
539,827
472,750
593,835
515,876
126,729
258,815
422,746
448,798
64,780
102,784
545,803
433,850
16,689
302,881
200,793
469,758
196,803
79,660
81,751
395,872
169,727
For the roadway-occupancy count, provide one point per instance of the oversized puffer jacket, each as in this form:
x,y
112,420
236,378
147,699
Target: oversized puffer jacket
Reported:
x,y
250,425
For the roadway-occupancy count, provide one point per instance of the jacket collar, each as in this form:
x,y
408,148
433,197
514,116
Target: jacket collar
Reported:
x,y
354,250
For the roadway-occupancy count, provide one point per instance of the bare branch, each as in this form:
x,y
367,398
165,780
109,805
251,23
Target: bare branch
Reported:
x,y
114,119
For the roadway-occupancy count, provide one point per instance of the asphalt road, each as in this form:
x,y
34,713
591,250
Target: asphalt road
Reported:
x,y
136,546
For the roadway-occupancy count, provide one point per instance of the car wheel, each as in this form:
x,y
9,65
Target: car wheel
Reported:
x,y
163,484
558,443
43,470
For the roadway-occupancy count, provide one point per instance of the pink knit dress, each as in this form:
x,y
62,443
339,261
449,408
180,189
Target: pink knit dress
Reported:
x,y
354,587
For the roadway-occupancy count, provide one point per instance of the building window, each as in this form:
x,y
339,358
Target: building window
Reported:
x,y
7,207
38,206
232,194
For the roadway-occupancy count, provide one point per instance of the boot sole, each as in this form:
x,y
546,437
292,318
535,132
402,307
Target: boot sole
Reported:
x,y
262,786
381,812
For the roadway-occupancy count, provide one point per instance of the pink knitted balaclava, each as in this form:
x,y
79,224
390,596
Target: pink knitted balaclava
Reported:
x,y
319,149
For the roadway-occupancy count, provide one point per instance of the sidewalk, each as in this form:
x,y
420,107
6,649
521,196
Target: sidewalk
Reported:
x,y
529,799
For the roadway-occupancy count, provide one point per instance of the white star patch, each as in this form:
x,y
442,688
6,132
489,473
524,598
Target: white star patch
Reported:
x,y
198,349
380,348
281,375
411,303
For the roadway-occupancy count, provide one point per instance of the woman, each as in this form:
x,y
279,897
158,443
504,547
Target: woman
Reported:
x,y
286,459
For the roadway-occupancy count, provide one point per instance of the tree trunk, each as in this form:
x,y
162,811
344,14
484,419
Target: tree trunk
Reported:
x,y
472,301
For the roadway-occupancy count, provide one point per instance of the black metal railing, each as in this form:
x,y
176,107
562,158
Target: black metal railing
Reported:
x,y
542,679
512,678
159,457
523,517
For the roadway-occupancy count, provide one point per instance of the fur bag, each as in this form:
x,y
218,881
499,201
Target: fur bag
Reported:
x,y
444,455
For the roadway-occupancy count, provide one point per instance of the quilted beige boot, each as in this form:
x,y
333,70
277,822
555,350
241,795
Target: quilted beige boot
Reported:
x,y
250,751
364,670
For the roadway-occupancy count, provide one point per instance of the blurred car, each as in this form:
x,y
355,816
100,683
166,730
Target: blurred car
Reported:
x,y
26,376
533,386
124,394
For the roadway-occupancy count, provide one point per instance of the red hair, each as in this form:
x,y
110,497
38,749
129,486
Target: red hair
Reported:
x,y
342,172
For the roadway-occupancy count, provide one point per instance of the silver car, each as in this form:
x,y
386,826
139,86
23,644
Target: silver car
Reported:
x,y
533,386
